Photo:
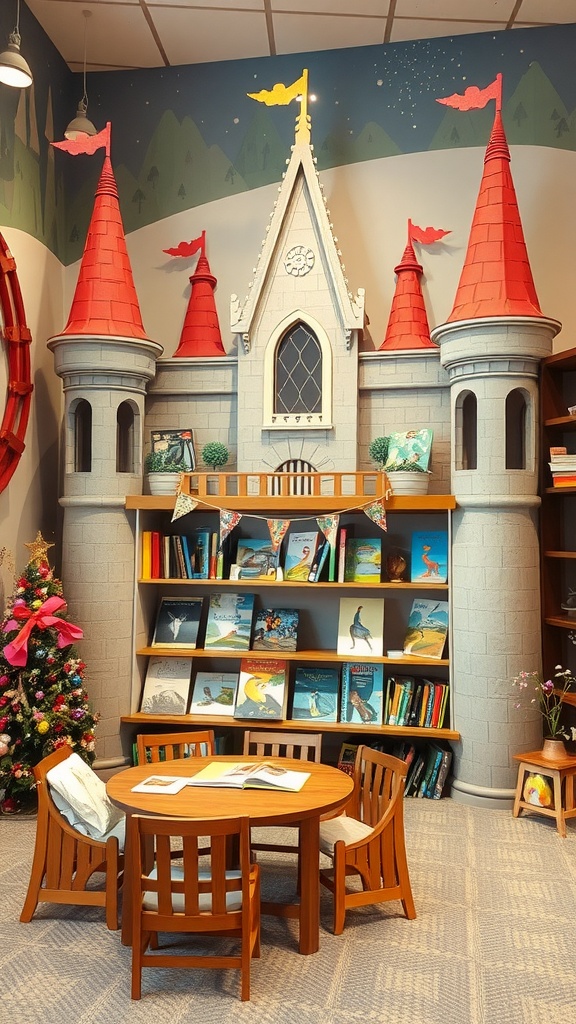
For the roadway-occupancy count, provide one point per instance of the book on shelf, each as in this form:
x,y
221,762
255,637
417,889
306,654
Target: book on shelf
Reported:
x,y
178,622
177,445
363,560
347,758
442,774
157,556
249,775
362,693
409,447
315,696
146,555
400,691
414,774
300,554
557,452
256,559
320,560
275,629
262,689
428,778
229,625
214,693
167,686
342,541
429,557
361,627
427,629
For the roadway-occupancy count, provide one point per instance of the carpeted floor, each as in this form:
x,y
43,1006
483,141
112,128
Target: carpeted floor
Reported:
x,y
493,942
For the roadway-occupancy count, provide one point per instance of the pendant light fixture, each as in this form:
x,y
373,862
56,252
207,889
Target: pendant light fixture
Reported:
x,y
14,70
80,125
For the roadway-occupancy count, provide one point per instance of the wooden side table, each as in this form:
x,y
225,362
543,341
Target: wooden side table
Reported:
x,y
561,772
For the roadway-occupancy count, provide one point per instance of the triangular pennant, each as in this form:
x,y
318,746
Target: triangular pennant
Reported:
x,y
277,529
228,520
183,505
329,526
377,513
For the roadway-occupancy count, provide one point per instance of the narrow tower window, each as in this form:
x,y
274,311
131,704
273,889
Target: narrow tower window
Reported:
x,y
466,456
125,438
516,430
83,437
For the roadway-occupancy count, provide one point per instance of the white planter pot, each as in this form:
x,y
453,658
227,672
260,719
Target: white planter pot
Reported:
x,y
163,483
406,482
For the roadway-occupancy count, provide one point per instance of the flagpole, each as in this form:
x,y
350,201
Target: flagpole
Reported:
x,y
499,93
108,137
303,120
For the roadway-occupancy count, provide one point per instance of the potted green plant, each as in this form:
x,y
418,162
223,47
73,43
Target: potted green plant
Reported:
x,y
404,470
162,472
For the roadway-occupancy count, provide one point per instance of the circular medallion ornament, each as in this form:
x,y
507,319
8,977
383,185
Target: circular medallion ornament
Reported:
x,y
299,261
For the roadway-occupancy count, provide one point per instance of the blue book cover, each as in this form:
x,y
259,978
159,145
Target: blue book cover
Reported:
x,y
427,629
429,561
256,558
362,693
316,694
229,625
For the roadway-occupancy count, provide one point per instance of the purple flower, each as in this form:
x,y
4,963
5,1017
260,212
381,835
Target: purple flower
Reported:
x,y
548,686
77,714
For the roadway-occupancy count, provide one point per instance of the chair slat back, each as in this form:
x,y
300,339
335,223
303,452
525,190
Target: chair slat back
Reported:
x,y
153,748
377,779
303,746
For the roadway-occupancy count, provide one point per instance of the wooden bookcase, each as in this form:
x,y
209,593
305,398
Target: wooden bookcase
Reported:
x,y
557,516
318,603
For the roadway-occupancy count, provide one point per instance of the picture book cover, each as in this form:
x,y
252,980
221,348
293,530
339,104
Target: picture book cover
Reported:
x,y
363,560
229,626
427,629
178,622
177,446
275,629
300,553
167,686
361,627
256,558
262,689
429,560
198,545
362,693
316,693
409,448
214,693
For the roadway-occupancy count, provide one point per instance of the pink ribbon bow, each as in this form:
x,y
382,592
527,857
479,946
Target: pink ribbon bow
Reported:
x,y
16,652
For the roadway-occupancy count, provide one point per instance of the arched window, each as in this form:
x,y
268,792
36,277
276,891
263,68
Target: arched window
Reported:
x,y
516,430
298,372
466,456
83,437
125,438
298,484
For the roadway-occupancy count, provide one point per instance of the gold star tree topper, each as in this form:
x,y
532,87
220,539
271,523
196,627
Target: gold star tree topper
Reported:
x,y
38,549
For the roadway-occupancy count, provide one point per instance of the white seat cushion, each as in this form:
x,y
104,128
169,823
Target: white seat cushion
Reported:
x,y
343,827
233,899
85,796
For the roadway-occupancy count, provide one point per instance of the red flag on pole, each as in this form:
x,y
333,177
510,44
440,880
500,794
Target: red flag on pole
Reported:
x,y
425,235
188,248
474,98
86,144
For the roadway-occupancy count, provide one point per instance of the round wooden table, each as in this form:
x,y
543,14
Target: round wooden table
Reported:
x,y
327,790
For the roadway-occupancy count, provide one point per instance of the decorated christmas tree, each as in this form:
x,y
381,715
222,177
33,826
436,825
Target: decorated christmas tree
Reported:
x,y
43,703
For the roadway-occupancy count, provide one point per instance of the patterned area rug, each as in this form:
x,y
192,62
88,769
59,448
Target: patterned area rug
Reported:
x,y
493,942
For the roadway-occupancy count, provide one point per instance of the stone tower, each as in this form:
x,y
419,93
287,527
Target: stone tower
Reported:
x,y
491,347
105,361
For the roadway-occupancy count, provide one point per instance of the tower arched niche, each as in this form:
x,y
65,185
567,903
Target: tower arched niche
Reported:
x,y
519,430
127,437
466,430
79,436
297,375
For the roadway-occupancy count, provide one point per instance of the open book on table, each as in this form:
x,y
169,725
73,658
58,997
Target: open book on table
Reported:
x,y
249,775
161,784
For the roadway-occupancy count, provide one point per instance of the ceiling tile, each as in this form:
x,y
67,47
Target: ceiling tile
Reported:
x,y
376,8
412,28
192,36
295,33
458,10
553,12
117,34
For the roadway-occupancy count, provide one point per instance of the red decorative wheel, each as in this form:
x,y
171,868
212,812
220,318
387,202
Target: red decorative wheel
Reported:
x,y
16,336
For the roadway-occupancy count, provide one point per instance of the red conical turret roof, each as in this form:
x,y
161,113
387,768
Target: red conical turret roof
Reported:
x,y
105,300
201,331
408,323
496,279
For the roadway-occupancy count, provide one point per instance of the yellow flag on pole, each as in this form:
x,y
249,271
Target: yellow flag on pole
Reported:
x,y
280,94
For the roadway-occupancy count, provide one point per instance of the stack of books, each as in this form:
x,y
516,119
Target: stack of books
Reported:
x,y
562,467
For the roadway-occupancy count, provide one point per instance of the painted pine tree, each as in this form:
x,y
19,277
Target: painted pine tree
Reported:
x,y
43,703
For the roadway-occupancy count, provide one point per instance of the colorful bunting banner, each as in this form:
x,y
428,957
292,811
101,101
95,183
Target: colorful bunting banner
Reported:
x,y
228,520
329,526
277,529
183,505
377,513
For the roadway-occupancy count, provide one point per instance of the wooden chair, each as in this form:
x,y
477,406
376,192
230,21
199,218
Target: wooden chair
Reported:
x,y
177,899
64,860
368,841
305,746
175,744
